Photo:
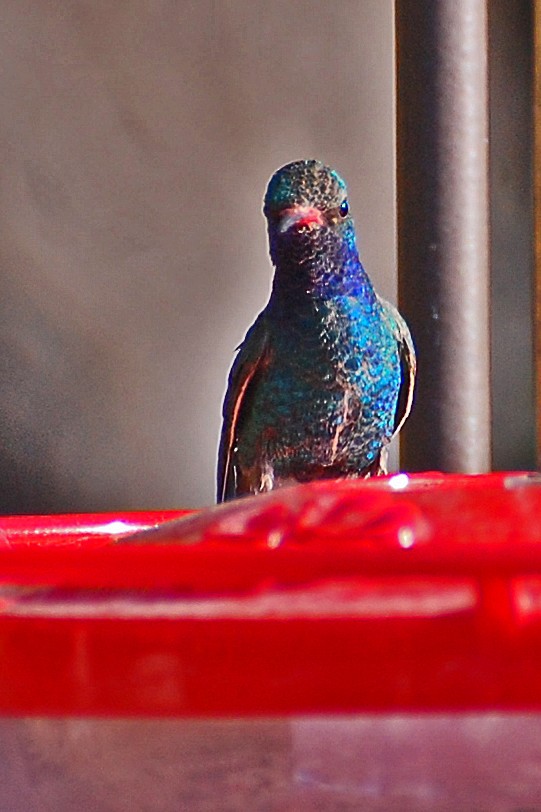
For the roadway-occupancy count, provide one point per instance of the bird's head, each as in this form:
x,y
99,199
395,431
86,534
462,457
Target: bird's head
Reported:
x,y
305,204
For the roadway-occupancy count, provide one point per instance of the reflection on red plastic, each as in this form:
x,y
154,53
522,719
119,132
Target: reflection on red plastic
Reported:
x,y
403,593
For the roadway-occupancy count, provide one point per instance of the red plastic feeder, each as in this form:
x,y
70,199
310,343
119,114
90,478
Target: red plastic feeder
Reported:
x,y
372,645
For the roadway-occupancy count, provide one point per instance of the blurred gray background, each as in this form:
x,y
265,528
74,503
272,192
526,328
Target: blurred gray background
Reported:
x,y
137,138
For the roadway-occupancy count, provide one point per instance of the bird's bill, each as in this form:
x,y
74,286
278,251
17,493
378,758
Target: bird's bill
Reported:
x,y
299,217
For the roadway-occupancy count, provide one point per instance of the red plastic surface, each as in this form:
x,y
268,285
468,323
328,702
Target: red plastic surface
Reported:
x,y
419,593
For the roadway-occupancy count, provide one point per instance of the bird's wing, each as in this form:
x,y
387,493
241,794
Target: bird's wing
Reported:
x,y
251,357
408,363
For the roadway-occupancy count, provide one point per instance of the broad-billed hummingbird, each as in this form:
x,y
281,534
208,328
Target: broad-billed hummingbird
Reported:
x,y
324,377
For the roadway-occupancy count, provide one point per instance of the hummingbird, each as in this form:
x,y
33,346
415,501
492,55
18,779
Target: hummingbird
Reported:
x,y
324,377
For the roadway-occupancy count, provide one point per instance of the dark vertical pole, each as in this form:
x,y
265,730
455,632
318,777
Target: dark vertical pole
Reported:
x,y
442,142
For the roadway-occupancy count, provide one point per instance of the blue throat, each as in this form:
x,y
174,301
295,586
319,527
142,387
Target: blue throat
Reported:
x,y
312,269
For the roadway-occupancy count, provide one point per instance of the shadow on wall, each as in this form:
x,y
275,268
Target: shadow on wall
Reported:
x,y
511,146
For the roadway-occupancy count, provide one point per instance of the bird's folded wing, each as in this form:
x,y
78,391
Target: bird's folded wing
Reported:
x,y
251,357
408,363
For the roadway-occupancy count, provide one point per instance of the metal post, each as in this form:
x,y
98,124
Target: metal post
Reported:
x,y
442,142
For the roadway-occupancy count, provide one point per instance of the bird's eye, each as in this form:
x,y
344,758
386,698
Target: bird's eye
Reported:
x,y
344,208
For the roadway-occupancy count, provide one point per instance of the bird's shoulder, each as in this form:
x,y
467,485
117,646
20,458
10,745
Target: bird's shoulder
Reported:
x,y
397,326
251,349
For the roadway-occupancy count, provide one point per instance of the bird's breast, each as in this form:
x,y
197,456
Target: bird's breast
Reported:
x,y
328,394
340,353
